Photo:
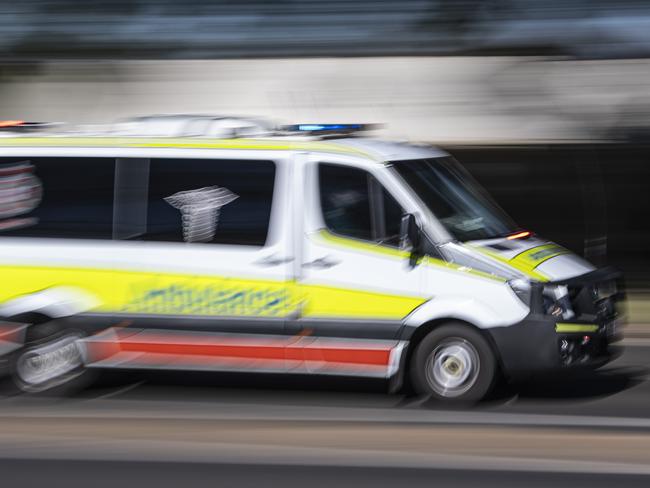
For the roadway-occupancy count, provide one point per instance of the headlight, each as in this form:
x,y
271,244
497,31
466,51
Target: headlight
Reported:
x,y
557,302
522,289
605,290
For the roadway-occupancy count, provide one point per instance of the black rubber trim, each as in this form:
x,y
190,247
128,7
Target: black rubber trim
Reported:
x,y
353,329
346,328
236,325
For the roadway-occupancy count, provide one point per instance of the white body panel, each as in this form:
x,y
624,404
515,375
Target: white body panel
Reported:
x,y
494,308
293,241
561,264
565,266
350,268
146,261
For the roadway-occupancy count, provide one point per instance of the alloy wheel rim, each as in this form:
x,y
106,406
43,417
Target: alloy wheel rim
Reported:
x,y
452,368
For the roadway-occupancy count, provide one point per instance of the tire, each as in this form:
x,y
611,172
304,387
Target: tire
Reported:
x,y
454,363
50,362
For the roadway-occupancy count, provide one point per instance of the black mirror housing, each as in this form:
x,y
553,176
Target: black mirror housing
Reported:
x,y
410,232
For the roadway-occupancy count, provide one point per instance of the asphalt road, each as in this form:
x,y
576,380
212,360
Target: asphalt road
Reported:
x,y
110,474
241,430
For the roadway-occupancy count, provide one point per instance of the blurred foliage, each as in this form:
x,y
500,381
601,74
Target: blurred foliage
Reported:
x,y
258,28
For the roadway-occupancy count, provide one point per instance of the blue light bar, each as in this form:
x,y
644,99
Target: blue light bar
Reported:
x,y
320,127
324,128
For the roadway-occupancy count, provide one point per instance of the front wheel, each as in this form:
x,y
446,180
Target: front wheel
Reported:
x,y
454,363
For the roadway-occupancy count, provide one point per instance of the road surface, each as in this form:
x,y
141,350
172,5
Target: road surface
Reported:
x,y
238,430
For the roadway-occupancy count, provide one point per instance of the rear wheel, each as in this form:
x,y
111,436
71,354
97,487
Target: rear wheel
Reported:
x,y
454,363
51,361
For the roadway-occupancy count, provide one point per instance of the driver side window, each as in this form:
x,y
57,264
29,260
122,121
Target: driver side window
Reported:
x,y
354,204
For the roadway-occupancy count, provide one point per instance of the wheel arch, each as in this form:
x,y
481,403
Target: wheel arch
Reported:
x,y
54,302
43,306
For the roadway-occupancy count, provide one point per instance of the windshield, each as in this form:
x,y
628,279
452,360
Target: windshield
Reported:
x,y
455,198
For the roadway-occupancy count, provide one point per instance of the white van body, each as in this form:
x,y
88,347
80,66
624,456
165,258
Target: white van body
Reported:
x,y
307,298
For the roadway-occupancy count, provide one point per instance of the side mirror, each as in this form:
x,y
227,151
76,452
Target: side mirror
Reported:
x,y
411,238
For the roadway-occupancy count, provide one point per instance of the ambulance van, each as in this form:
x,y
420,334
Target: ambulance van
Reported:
x,y
309,250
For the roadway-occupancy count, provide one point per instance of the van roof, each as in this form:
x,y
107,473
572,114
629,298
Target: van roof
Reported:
x,y
373,149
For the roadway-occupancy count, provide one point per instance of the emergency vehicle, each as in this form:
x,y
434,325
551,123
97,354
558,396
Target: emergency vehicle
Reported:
x,y
222,244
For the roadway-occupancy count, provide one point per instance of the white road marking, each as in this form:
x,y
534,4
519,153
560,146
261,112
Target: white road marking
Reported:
x,y
119,391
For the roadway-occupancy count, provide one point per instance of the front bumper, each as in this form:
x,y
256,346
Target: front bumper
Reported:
x,y
539,344
542,343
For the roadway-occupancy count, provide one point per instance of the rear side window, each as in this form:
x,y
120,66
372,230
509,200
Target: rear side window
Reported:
x,y
210,201
56,197
354,204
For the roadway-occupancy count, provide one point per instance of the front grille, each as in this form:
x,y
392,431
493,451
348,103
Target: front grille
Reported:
x,y
591,305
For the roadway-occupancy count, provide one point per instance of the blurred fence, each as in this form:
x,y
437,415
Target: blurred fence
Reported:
x,y
222,29
128,29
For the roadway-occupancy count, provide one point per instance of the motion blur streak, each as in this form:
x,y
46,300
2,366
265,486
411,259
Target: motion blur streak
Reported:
x,y
449,99
149,264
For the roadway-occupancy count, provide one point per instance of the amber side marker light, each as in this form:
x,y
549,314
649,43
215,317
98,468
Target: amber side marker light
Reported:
x,y
520,235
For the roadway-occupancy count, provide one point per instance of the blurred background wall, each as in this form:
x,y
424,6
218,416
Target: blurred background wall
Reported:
x,y
547,103
477,99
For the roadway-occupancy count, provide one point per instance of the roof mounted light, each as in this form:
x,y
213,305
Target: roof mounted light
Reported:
x,y
22,126
11,123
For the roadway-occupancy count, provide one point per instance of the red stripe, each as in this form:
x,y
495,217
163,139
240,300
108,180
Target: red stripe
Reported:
x,y
244,348
340,355
250,352
253,351
172,359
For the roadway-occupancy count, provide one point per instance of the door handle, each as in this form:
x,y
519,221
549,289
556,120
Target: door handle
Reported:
x,y
324,262
273,260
